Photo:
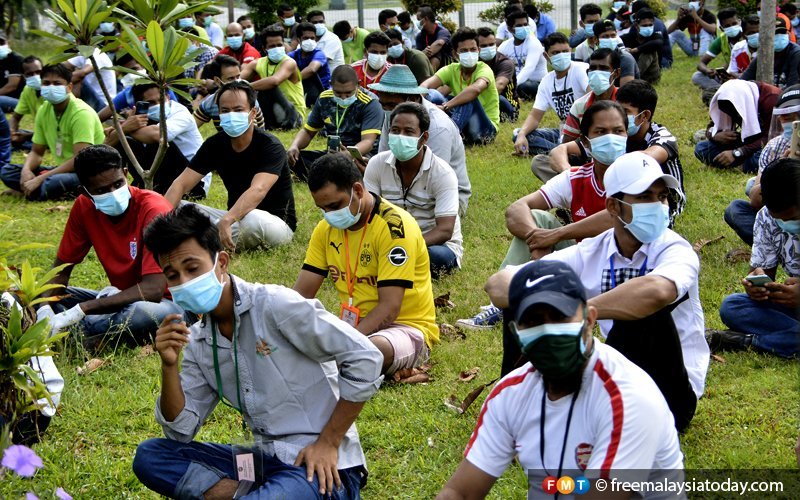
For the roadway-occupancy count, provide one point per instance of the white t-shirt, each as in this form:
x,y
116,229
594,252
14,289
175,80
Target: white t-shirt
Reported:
x,y
558,94
620,428
583,51
433,192
528,58
671,257
739,55
332,47
182,130
503,33
215,35
109,78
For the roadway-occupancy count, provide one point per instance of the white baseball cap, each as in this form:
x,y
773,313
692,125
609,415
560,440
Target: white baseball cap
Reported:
x,y
633,173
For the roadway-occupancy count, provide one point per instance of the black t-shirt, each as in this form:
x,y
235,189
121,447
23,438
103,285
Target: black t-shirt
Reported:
x,y
504,66
265,154
12,66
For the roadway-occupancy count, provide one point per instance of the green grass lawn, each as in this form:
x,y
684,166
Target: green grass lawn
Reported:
x,y
748,418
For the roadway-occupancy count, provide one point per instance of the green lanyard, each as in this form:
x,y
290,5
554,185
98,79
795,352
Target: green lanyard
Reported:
x,y
339,120
235,364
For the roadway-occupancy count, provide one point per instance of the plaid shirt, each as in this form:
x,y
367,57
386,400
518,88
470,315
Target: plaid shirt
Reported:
x,y
204,58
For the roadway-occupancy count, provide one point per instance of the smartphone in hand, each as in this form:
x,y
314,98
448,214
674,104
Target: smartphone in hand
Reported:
x,y
758,279
334,143
142,107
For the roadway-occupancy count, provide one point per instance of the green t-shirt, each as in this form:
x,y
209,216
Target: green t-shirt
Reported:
x,y
450,75
29,102
720,47
78,123
354,51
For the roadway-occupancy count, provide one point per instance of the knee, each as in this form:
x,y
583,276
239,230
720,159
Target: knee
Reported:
x,y
701,150
143,459
730,308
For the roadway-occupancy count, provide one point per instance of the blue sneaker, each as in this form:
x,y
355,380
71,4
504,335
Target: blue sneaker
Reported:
x,y
484,320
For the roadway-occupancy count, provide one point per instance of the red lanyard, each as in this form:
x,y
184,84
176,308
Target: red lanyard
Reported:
x,y
351,277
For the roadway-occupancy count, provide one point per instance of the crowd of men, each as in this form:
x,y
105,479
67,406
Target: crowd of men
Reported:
x,y
396,108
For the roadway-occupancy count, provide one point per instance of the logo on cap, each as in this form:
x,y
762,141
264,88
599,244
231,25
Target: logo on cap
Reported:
x,y
531,284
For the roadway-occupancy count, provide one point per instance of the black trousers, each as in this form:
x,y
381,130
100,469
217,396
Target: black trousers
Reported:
x,y
278,112
171,167
312,88
307,158
652,343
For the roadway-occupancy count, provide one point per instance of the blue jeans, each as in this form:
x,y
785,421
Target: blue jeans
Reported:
x,y
706,151
741,217
7,103
187,470
443,260
541,140
685,43
90,97
140,319
507,110
474,124
527,90
54,187
775,328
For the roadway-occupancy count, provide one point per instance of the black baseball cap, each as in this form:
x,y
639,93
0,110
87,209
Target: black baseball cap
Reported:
x,y
549,282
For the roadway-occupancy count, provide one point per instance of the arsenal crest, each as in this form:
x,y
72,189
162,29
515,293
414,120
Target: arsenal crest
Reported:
x,y
583,452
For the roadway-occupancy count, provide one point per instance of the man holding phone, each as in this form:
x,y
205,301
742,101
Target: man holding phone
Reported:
x,y
764,317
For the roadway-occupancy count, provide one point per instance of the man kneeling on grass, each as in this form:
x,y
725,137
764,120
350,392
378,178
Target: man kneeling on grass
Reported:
x,y
620,422
298,376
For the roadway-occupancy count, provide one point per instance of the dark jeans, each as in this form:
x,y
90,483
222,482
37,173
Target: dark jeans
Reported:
x,y
775,328
706,151
187,470
312,88
53,188
443,260
171,167
307,158
527,90
508,113
541,141
278,112
741,217
470,118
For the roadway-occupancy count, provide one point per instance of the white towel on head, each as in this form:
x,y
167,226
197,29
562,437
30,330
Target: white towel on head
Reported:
x,y
744,97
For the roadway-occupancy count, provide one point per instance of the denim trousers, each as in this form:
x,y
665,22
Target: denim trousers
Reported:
x,y
741,217
443,260
706,151
470,118
541,141
775,328
53,188
188,470
7,103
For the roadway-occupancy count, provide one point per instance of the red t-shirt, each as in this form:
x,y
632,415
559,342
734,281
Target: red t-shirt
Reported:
x,y
118,244
363,78
244,56
577,190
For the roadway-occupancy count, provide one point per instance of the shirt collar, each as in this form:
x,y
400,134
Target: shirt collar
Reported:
x,y
427,160
613,251
242,303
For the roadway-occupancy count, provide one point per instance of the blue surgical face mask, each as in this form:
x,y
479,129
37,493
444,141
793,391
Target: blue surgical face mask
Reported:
x,y
376,61
396,51
249,33
649,221
617,24
235,42
200,295
34,82
787,130
752,41
733,31
468,59
185,22
343,218
346,101
404,147
154,113
235,123
488,53
618,5
589,29
308,45
607,148
561,61
55,94
521,32
646,31
107,28
795,21
695,6
289,21
114,203
275,54
320,29
608,43
528,336
633,128
781,41
789,226
599,81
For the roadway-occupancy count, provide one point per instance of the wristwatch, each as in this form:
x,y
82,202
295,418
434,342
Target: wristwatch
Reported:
x,y
737,153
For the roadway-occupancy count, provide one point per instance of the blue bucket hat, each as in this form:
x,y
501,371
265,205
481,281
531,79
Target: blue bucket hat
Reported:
x,y
398,79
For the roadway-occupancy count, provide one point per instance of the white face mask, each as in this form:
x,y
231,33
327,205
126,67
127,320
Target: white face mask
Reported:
x,y
376,61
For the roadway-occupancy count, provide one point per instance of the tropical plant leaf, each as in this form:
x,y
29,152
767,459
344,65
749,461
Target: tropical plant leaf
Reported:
x,y
156,43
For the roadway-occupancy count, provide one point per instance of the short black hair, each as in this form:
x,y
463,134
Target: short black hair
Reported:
x,y
554,38
612,54
508,9
404,17
273,30
283,8
342,29
729,13
645,14
789,9
139,90
483,31
168,231
780,184
639,94
60,70
639,5
462,35
338,169
32,59
602,26
237,86
427,13
513,16
752,19
344,74
121,59
589,9
245,17
413,108
211,70
226,61
305,26
393,35
588,116
376,37
386,14
96,159
314,13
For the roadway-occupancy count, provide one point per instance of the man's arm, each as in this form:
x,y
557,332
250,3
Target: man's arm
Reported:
x,y
496,286
467,483
635,299
518,215
702,65
35,182
365,146
281,74
259,187
469,94
149,134
310,70
441,232
308,284
300,142
433,82
11,85
709,27
500,83
150,288
181,185
535,52
390,298
559,156
544,239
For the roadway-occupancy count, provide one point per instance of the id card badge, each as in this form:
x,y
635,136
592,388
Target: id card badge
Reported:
x,y
350,314
247,460
59,146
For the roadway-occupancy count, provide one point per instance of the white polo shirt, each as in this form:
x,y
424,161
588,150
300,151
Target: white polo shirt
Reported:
x,y
621,427
669,256
433,192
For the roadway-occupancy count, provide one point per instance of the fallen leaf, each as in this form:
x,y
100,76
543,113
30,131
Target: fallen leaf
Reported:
x,y
699,244
468,375
738,255
451,332
146,350
453,403
430,441
57,208
461,407
418,378
90,366
718,358
444,301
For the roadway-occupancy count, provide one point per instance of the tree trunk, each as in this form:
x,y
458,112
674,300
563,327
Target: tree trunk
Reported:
x,y
162,140
766,43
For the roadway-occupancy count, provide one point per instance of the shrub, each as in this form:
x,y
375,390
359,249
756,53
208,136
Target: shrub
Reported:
x,y
494,14
263,11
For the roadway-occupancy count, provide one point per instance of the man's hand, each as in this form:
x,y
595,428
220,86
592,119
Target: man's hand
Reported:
x,y
225,234
542,239
785,294
521,145
31,187
757,293
61,321
726,137
633,51
134,123
427,51
25,175
321,458
171,337
726,158
293,154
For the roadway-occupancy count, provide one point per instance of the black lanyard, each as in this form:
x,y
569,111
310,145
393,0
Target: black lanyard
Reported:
x,y
566,434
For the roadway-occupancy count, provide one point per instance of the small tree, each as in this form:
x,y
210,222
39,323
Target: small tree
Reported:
x,y
167,58
264,13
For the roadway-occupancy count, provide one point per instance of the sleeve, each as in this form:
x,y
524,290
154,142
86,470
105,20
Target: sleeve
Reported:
x,y
120,101
506,69
178,123
491,446
419,41
677,263
542,101
321,336
627,64
570,256
535,51
794,69
200,400
397,250
557,192
320,56
749,73
23,105
655,43
75,243
272,156
502,31
203,161
715,48
39,136
372,175
765,246
202,113
314,122
666,140
77,61
83,126
577,38
572,124
372,119
316,259
445,74
15,66
445,192
443,34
